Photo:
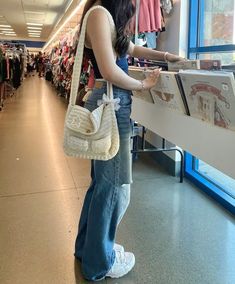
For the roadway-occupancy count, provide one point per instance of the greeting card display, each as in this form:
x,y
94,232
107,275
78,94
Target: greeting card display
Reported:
x,y
210,96
184,65
140,73
167,93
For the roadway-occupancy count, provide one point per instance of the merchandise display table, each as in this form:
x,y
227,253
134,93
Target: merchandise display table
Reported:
x,y
212,144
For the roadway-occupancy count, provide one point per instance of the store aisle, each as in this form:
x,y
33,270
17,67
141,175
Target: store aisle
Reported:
x,y
179,235
41,190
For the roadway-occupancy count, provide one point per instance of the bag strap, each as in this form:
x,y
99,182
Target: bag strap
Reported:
x,y
79,56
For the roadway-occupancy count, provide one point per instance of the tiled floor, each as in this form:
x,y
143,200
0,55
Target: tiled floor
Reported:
x,y
178,235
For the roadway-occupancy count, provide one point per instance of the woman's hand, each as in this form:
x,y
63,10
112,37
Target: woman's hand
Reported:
x,y
174,58
151,79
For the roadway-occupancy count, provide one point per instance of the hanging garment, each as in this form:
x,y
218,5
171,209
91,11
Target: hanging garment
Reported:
x,y
1,66
149,16
16,73
151,39
167,5
8,68
4,69
163,21
11,67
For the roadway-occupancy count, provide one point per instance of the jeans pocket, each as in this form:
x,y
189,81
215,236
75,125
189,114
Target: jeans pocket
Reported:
x,y
125,98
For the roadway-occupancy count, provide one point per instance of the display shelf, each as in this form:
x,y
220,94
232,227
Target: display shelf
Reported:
x,y
212,144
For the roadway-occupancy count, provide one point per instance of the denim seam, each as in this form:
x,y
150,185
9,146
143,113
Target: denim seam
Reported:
x,y
116,181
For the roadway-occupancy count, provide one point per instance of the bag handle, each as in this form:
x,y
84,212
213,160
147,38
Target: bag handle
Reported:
x,y
79,57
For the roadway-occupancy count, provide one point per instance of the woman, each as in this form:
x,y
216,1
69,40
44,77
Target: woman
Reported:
x,y
109,192
40,64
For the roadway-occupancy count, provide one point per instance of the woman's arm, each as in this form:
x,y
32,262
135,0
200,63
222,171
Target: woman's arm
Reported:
x,y
98,36
147,53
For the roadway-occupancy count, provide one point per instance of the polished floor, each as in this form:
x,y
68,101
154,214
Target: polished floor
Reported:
x,y
178,234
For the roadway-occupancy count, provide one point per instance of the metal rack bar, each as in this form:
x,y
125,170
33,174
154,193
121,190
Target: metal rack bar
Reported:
x,y
163,149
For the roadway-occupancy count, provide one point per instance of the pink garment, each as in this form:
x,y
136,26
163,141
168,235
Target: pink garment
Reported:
x,y
149,16
70,39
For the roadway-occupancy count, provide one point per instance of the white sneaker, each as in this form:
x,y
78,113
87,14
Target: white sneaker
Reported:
x,y
124,262
118,247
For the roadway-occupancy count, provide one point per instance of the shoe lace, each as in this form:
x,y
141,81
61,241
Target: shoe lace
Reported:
x,y
120,257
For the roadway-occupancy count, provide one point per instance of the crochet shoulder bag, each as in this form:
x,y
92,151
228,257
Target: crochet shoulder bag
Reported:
x,y
91,135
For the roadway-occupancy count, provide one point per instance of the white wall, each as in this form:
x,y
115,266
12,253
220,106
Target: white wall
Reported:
x,y
175,38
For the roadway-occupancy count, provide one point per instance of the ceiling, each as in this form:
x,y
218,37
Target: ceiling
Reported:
x,y
68,23
43,15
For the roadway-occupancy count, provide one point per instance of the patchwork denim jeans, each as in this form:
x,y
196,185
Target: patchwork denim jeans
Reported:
x,y
107,197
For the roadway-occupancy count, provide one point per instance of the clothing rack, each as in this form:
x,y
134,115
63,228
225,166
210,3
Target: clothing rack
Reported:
x,y
13,45
12,67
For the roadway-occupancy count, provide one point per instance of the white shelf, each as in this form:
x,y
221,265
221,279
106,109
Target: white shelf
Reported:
x,y
212,144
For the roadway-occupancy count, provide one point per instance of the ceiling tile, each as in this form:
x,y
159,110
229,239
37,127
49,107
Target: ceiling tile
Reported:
x,y
18,12
42,3
34,16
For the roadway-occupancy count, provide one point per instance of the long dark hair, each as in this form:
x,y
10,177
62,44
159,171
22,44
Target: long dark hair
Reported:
x,y
122,12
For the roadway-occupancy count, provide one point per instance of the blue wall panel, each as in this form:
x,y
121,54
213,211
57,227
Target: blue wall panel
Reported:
x,y
32,44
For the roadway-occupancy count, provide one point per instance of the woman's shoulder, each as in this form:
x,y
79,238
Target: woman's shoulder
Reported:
x,y
98,15
98,12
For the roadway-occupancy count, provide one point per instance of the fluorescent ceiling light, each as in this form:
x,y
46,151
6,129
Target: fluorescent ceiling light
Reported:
x,y
34,32
67,20
6,29
34,28
34,36
10,34
5,26
34,24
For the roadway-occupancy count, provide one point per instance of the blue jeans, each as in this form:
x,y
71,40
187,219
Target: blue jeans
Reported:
x,y
107,197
